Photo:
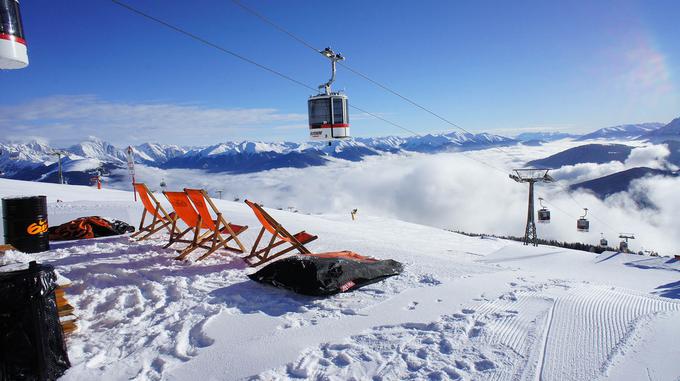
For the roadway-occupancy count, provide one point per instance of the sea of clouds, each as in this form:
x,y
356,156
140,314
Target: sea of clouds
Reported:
x,y
468,191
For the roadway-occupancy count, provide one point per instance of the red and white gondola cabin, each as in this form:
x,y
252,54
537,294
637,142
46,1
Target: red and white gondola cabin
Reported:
x,y
13,52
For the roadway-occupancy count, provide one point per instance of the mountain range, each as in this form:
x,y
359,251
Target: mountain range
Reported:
x,y
624,132
605,186
38,162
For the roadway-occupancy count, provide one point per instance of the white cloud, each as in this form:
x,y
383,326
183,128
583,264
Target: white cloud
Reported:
x,y
653,156
72,118
448,191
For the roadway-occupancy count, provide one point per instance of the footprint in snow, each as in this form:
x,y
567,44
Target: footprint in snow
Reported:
x,y
483,365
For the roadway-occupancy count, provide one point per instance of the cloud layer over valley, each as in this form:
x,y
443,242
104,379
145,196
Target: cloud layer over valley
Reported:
x,y
465,191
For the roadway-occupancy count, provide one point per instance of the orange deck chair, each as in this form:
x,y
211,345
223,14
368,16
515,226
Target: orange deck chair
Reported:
x,y
297,241
161,219
212,239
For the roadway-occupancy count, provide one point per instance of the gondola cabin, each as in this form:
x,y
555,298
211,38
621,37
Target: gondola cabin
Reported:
x,y
603,241
544,216
582,225
328,117
13,52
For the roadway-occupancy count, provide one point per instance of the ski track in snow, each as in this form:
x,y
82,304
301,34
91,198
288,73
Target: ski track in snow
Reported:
x,y
590,327
503,339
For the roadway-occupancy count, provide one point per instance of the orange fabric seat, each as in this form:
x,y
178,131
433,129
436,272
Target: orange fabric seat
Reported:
x,y
192,208
237,229
160,218
304,237
344,254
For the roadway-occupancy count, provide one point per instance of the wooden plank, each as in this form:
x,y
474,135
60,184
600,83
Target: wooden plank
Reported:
x,y
4,248
65,310
69,327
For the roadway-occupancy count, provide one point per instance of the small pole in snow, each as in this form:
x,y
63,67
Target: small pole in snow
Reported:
x,y
59,154
131,169
219,194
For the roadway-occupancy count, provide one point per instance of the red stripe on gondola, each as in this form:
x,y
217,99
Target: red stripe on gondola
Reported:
x,y
337,125
5,36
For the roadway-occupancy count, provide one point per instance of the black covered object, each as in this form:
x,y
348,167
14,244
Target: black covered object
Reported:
x,y
89,227
25,223
31,338
318,276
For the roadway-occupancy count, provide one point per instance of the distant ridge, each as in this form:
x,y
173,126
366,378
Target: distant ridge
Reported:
x,y
35,161
624,131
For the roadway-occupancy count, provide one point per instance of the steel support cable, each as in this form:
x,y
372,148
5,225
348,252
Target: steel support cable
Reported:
x,y
386,88
266,68
360,74
554,205
355,71
300,83
291,79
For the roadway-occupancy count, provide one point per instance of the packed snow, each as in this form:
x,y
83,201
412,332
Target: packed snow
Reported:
x,y
464,308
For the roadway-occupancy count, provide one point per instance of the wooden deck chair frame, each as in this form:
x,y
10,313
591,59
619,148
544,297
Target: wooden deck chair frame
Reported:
x,y
219,226
211,240
161,219
259,255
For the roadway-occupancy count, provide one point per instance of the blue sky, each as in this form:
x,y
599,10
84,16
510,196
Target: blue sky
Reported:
x,y
504,67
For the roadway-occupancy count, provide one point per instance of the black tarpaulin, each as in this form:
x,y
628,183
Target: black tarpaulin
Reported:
x,y
326,274
31,338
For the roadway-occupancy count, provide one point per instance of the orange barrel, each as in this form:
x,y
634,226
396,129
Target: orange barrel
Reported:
x,y
25,222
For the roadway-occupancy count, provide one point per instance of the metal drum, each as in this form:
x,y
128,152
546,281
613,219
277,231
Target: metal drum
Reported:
x,y
25,222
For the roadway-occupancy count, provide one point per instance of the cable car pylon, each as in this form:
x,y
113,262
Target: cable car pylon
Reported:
x,y
531,176
623,245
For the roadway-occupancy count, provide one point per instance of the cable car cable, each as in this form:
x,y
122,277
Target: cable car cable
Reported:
x,y
273,71
311,47
291,79
384,87
355,71
211,44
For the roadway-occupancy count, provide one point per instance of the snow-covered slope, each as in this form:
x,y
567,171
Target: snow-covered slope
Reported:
x,y
588,153
625,131
671,131
464,308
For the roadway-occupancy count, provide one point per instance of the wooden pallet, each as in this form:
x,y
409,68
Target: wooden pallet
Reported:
x,y
66,311
4,248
